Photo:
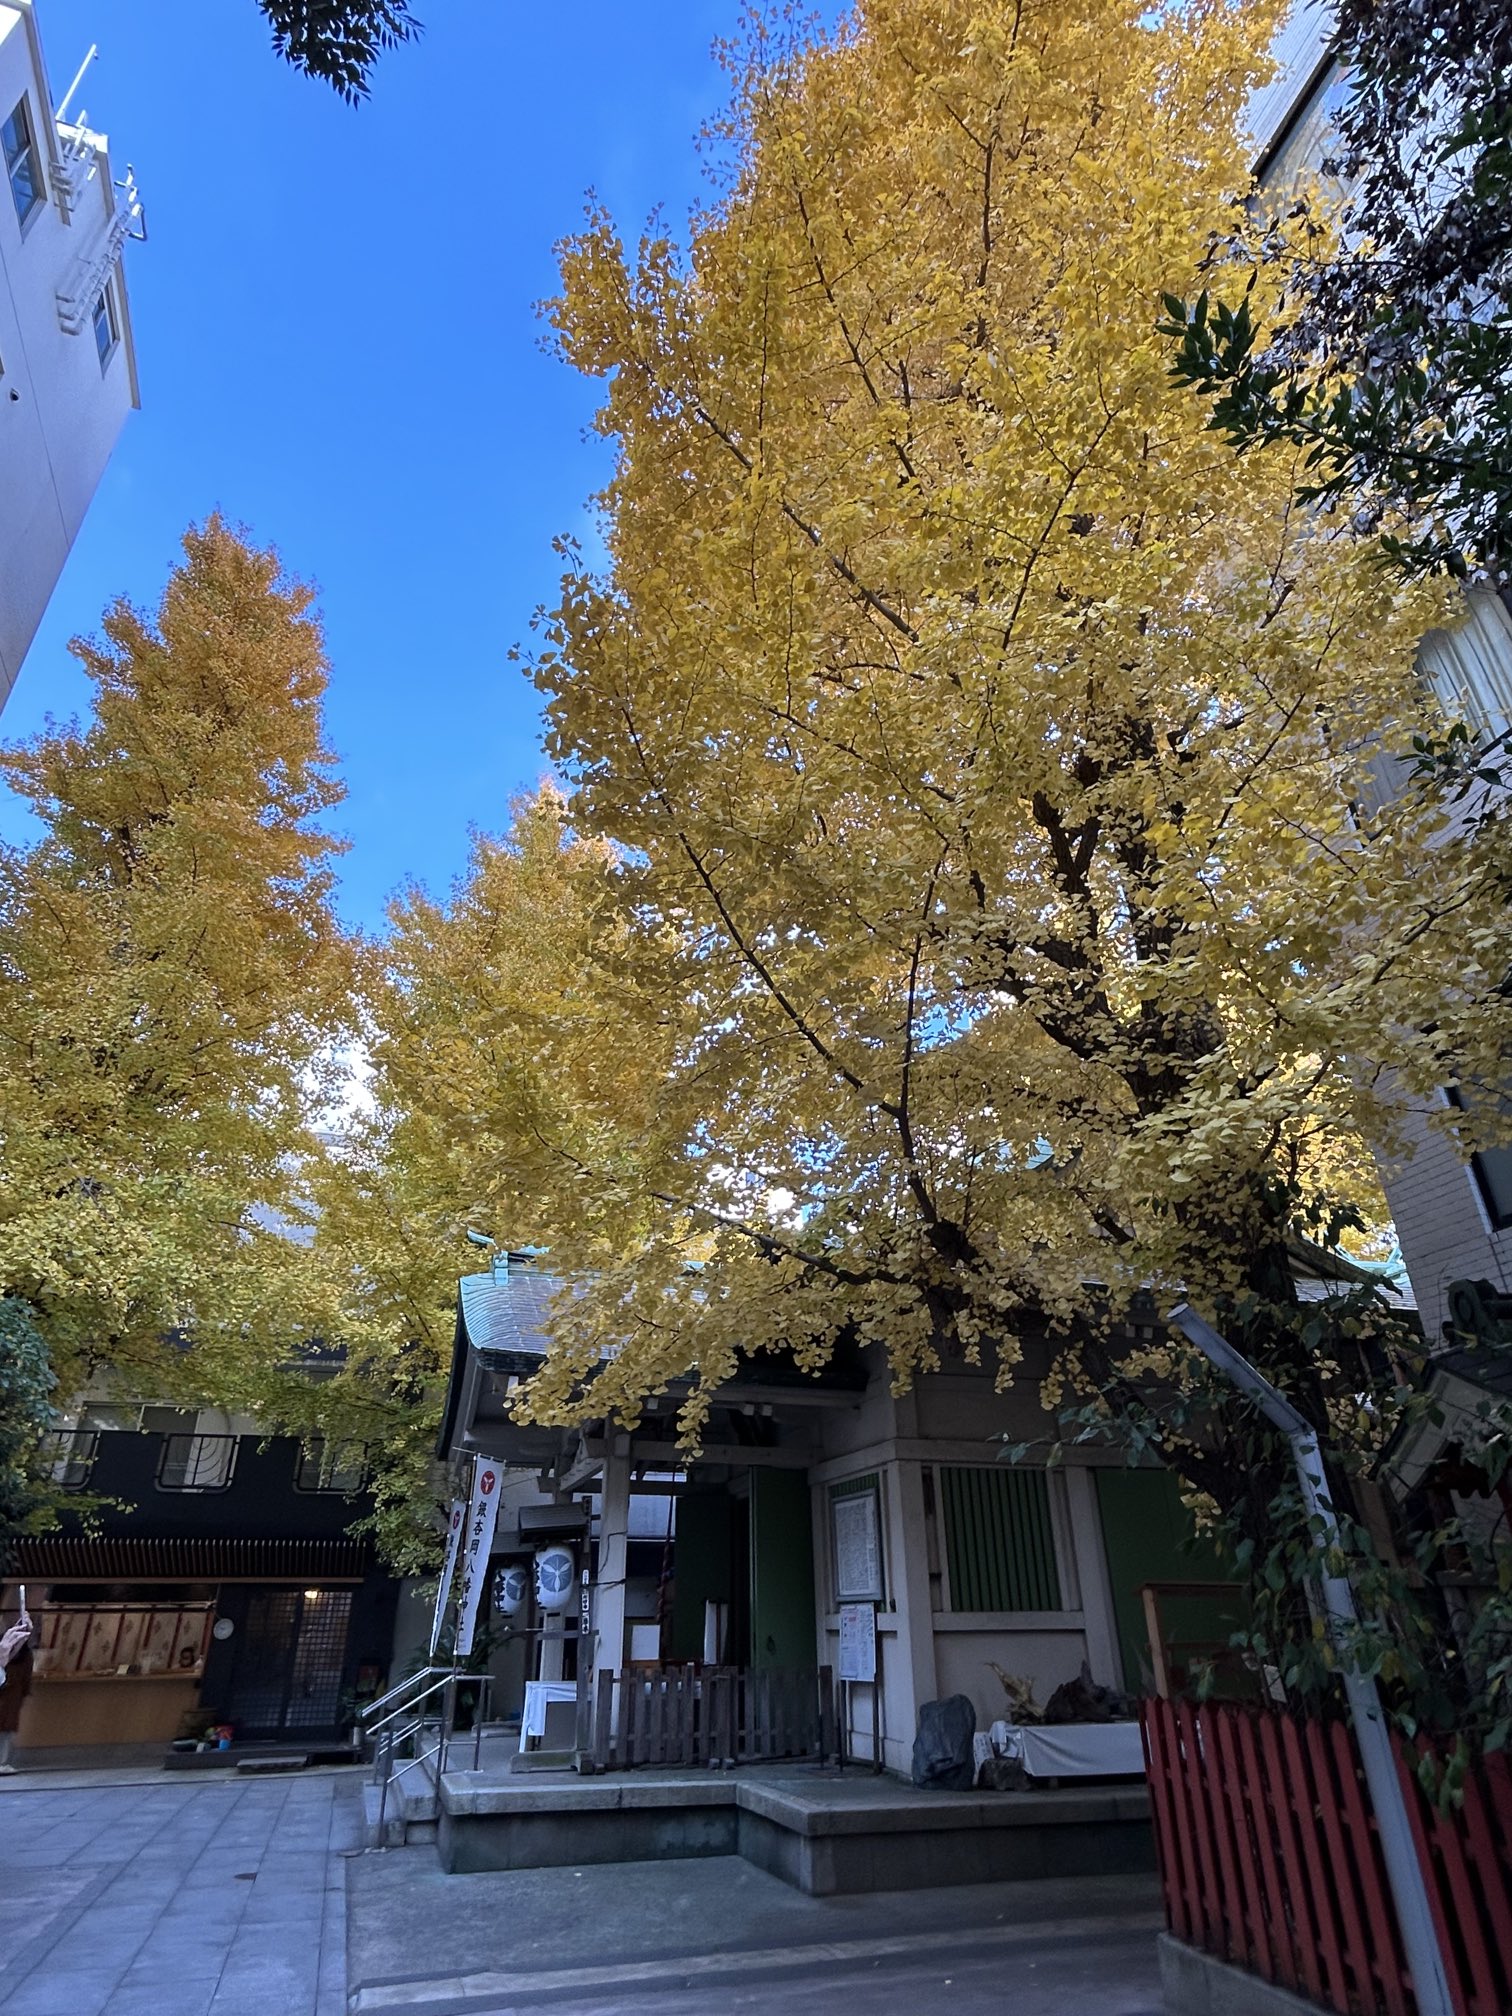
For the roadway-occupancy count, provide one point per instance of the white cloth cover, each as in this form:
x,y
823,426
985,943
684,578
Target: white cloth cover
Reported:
x,y
537,1694
1074,1749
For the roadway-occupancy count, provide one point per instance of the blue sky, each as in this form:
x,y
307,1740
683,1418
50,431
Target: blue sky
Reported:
x,y
335,321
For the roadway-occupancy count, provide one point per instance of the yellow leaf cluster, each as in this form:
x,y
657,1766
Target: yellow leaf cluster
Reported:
x,y
171,980
975,882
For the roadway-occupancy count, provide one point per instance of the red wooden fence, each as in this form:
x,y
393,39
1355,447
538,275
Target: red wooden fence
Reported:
x,y
1270,1859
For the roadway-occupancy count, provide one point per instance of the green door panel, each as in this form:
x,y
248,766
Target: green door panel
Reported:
x,y
702,1566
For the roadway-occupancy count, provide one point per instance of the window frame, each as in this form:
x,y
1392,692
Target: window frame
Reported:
x,y
1498,1216
70,1456
106,304
28,149
329,1464
1300,145
197,1476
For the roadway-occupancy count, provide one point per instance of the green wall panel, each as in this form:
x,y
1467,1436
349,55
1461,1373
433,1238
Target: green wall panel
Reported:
x,y
999,1543
782,1569
1149,1536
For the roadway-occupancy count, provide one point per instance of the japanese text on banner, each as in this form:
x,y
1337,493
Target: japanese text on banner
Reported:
x,y
477,1544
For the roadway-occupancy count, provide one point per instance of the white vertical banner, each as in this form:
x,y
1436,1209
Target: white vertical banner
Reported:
x,y
477,1545
443,1587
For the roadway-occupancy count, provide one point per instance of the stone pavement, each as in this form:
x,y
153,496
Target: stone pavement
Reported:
x,y
718,1937
137,1893
140,1893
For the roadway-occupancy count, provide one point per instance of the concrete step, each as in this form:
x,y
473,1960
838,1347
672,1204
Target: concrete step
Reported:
x,y
409,1811
802,1962
827,1833
524,1762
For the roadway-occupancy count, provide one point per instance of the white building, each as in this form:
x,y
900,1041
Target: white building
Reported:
x,y
68,373
1454,1219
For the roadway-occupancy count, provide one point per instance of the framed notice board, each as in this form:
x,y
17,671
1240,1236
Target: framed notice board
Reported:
x,y
856,1529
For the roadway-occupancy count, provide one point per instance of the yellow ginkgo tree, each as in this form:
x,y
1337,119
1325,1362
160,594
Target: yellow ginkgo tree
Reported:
x,y
481,1027
1007,901
173,982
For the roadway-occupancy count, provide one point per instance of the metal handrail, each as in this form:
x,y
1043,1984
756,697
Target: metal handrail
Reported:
x,y
435,1676
407,1707
383,1755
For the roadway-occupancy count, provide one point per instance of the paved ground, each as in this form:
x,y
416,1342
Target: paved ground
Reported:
x,y
135,1893
143,1894
721,1938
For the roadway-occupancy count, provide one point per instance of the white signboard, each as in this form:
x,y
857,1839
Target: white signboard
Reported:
x,y
443,1587
858,1641
858,1547
477,1545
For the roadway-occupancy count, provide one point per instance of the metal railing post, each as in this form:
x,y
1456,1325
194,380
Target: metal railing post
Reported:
x,y
485,1697
1409,1889
386,1752
448,1724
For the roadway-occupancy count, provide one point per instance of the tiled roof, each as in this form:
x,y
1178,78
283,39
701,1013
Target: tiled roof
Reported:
x,y
508,1311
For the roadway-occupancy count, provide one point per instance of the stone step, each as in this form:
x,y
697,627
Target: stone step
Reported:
x,y
829,1834
524,1762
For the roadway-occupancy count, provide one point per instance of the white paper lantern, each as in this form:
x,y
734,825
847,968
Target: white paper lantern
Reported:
x,y
555,1578
512,1589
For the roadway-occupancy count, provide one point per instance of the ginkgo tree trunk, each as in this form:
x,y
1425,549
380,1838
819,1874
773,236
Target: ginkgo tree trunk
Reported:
x,y
172,983
1005,900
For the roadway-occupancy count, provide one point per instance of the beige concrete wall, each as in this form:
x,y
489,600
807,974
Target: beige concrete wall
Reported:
x,y
928,1650
1045,1654
1441,1221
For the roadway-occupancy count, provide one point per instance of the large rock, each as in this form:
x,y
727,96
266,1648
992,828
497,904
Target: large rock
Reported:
x,y
942,1754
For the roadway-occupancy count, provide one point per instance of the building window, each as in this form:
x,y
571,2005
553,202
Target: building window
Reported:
x,y
70,1454
999,1540
1491,1169
336,1466
79,1641
1470,667
21,162
105,332
197,1462
1311,135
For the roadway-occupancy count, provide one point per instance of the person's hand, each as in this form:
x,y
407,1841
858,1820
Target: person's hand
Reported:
x,y
13,1640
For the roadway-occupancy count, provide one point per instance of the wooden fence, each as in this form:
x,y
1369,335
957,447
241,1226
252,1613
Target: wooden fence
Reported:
x,y
718,1715
1270,1859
